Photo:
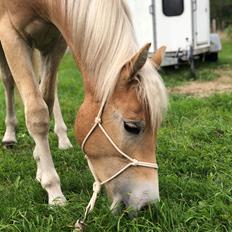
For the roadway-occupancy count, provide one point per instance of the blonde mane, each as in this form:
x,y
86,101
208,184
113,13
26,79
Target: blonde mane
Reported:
x,y
104,39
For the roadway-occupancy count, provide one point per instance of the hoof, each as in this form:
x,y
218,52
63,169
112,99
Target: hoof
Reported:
x,y
9,144
58,201
79,226
65,144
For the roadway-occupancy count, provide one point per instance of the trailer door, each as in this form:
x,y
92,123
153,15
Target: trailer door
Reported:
x,y
143,21
173,24
201,23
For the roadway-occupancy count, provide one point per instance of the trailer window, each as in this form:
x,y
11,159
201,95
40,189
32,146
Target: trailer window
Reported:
x,y
173,7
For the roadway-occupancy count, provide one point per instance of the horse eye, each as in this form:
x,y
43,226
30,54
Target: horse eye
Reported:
x,y
133,127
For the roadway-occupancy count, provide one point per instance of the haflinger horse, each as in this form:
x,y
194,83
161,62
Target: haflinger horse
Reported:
x,y
9,138
124,97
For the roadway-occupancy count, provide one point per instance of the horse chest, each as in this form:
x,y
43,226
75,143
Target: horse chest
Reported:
x,y
25,16
40,34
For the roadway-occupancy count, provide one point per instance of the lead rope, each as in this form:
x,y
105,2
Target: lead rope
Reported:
x,y
79,226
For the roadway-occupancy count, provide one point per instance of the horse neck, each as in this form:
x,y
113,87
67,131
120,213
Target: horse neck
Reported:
x,y
100,36
55,12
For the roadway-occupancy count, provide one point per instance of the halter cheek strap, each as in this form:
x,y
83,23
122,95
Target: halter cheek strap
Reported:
x,y
97,183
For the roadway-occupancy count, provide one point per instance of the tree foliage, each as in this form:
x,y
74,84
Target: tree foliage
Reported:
x,y
221,10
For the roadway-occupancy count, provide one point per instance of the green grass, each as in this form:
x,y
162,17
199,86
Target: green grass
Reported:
x,y
205,71
194,155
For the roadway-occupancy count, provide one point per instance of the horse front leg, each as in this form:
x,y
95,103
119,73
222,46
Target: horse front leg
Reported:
x,y
18,56
60,128
9,137
48,86
50,62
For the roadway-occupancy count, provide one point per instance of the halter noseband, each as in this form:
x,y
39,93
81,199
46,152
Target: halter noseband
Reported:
x,y
97,183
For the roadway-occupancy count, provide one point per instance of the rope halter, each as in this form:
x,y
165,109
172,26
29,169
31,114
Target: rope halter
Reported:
x,y
97,183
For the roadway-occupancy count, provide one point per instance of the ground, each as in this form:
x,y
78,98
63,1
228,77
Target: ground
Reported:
x,y
194,153
221,84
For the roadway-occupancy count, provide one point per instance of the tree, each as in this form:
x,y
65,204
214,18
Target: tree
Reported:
x,y
221,11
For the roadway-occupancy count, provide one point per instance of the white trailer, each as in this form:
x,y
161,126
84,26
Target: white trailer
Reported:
x,y
181,25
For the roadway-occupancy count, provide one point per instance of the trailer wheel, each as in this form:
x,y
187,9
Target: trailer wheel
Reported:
x,y
213,56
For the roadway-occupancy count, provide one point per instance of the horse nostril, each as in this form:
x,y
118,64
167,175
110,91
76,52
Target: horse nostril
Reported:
x,y
146,206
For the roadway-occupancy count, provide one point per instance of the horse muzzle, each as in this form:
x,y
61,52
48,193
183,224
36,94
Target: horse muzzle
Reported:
x,y
135,195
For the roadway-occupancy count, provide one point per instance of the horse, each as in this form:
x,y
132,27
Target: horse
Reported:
x,y
9,138
124,97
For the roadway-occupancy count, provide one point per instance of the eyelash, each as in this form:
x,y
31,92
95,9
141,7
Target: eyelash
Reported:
x,y
132,128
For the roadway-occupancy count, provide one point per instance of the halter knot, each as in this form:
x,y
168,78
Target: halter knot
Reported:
x,y
96,186
135,162
97,120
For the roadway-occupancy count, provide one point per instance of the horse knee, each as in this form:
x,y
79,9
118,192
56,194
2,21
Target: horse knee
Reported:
x,y
37,120
48,97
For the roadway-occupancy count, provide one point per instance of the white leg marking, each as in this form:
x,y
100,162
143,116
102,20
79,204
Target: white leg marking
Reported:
x,y
60,127
46,172
10,121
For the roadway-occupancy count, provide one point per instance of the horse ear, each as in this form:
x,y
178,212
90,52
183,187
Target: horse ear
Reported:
x,y
158,56
137,61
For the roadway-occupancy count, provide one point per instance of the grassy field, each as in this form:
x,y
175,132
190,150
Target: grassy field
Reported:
x,y
194,155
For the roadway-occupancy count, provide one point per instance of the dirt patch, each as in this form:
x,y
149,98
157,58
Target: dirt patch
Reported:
x,y
207,88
